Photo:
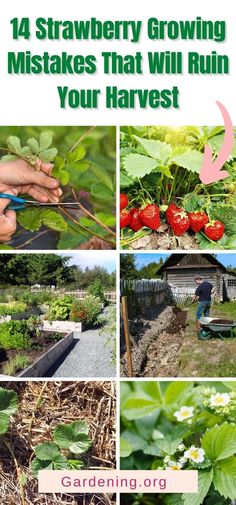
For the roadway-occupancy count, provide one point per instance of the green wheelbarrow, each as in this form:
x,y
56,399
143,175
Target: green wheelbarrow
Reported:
x,y
215,327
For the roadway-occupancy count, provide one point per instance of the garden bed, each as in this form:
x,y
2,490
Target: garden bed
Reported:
x,y
40,346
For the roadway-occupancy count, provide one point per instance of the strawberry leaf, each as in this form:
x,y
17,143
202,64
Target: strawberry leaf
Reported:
x,y
138,165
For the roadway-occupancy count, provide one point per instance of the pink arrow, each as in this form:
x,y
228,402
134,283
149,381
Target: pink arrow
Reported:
x,y
211,170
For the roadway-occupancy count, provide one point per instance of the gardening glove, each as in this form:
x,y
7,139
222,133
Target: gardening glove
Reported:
x,y
7,218
19,175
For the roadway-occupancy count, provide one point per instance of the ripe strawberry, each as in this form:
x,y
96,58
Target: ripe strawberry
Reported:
x,y
123,201
150,216
135,222
124,218
198,219
180,223
214,230
171,211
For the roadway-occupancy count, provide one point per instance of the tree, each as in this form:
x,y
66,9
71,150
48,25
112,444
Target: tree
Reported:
x,y
127,266
149,271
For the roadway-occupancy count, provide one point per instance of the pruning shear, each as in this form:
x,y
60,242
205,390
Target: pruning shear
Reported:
x,y
18,203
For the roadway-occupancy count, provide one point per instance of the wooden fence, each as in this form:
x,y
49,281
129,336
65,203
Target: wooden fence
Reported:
x,y
143,294
110,295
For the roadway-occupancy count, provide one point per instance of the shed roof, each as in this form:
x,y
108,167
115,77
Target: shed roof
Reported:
x,y
194,261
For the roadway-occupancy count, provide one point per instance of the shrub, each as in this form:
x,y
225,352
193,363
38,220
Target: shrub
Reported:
x,y
15,335
3,298
60,308
96,289
15,365
87,310
10,308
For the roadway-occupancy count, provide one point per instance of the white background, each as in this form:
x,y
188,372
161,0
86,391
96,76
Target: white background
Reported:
x,y
33,100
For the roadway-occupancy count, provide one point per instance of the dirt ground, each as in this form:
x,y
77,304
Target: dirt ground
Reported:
x,y
165,344
157,340
42,405
165,240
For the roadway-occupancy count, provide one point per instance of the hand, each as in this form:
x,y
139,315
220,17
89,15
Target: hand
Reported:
x,y
20,176
7,219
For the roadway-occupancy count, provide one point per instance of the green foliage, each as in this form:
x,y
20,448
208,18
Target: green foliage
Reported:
x,y
33,150
15,335
191,425
83,161
73,437
15,365
10,308
8,407
127,266
96,289
44,269
60,308
86,310
108,321
162,165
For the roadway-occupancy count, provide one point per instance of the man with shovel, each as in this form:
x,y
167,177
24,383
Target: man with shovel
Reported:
x,y
203,295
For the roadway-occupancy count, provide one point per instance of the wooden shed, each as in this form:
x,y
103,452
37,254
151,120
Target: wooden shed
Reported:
x,y
179,271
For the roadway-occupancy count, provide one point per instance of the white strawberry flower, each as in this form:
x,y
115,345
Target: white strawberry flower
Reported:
x,y
219,400
195,454
174,465
183,460
181,447
184,413
166,459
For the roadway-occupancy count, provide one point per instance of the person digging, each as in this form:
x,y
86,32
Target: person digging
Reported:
x,y
203,295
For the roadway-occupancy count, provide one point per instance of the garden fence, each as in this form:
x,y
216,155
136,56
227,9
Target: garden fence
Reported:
x,y
143,294
110,295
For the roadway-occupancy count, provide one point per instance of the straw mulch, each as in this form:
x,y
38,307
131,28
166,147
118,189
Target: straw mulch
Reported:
x,y
42,405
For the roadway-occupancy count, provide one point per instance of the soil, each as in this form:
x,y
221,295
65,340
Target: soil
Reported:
x,y
221,321
157,340
167,241
42,405
39,347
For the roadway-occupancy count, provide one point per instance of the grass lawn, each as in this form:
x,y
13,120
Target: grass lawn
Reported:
x,y
211,358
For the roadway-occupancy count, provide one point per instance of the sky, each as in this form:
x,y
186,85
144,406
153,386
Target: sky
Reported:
x,y
106,259
146,258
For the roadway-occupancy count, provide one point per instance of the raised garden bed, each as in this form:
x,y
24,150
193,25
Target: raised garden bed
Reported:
x,y
47,359
19,316
40,345
64,326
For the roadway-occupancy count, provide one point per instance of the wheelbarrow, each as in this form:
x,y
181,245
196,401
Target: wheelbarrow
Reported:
x,y
217,328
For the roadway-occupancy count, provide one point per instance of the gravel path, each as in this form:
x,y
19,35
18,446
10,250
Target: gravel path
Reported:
x,y
89,357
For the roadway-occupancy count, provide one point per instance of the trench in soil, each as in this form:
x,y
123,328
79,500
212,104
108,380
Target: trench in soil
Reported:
x,y
157,340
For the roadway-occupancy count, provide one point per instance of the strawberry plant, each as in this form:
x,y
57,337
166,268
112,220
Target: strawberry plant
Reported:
x,y
160,169
69,441
84,163
182,425
8,407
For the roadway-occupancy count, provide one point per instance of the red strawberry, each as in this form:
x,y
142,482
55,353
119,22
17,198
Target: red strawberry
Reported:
x,y
150,216
135,222
180,223
214,230
124,218
123,201
171,211
198,219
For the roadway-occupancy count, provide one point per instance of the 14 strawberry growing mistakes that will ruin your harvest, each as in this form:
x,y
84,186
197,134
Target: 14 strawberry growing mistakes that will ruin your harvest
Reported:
x,y
162,198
